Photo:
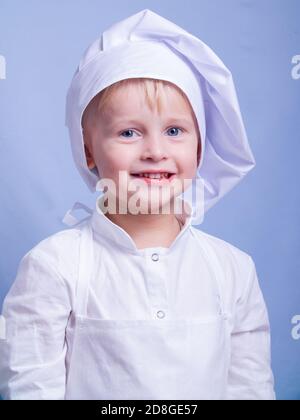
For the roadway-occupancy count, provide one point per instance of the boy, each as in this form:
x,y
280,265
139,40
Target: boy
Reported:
x,y
139,304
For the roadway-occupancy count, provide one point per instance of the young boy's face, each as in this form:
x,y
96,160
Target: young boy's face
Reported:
x,y
129,136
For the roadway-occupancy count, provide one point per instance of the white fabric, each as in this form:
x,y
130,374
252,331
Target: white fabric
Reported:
x,y
83,319
148,45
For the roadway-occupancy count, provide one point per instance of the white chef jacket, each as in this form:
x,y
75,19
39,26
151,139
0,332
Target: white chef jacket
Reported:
x,y
184,322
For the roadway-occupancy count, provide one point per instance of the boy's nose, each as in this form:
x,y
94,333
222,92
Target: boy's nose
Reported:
x,y
154,148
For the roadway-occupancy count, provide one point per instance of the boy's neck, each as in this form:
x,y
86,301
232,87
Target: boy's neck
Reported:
x,y
148,230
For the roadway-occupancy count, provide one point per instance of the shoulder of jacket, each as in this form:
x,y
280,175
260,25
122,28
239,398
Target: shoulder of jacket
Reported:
x,y
236,265
227,253
63,240
59,251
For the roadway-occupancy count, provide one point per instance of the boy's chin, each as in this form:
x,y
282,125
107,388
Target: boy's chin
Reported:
x,y
141,202
144,205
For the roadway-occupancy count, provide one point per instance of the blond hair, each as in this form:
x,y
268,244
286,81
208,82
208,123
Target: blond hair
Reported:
x,y
154,91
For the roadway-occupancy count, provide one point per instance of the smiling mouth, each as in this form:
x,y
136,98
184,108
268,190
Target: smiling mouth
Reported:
x,y
162,181
154,176
165,178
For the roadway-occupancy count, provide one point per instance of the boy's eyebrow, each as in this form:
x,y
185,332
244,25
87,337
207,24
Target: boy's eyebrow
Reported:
x,y
175,119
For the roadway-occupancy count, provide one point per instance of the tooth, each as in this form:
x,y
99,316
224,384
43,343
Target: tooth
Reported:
x,y
154,176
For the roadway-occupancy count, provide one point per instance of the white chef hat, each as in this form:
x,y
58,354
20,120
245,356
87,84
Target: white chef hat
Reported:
x,y
148,45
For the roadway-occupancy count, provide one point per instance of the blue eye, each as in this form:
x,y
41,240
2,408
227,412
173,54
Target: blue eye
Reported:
x,y
132,131
127,131
176,128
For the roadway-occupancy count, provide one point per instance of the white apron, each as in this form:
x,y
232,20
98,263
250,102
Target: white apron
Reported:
x,y
155,359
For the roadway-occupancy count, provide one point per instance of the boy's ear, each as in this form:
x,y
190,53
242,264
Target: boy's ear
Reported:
x,y
89,158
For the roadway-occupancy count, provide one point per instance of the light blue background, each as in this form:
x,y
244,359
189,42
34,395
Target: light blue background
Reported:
x,y
42,42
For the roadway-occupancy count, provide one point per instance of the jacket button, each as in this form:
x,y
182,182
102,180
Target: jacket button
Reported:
x,y
155,257
160,314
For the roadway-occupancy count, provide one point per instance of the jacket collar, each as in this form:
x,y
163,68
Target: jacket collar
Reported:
x,y
103,227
